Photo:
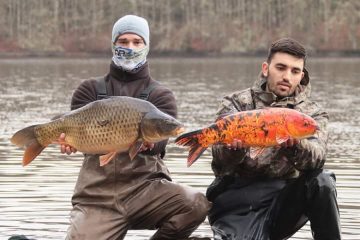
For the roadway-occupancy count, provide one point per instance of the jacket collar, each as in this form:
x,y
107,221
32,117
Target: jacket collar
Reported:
x,y
123,76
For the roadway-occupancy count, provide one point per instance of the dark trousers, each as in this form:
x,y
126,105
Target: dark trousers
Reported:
x,y
277,209
175,210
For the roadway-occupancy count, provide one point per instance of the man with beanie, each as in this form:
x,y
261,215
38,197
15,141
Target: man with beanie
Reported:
x,y
274,194
124,194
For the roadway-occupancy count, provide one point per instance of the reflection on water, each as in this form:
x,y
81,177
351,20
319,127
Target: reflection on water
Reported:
x,y
35,200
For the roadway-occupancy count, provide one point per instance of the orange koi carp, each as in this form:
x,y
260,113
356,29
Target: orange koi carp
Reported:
x,y
256,129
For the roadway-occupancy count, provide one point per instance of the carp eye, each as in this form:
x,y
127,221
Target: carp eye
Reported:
x,y
103,122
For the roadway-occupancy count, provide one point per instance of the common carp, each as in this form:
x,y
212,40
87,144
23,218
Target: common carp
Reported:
x,y
105,127
256,129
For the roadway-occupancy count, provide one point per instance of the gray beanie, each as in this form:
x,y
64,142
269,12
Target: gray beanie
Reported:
x,y
131,24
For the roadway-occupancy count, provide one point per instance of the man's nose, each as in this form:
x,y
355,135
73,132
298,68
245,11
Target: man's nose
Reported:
x,y
131,45
287,75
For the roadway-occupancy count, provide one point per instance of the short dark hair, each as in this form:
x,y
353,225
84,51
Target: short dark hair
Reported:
x,y
287,45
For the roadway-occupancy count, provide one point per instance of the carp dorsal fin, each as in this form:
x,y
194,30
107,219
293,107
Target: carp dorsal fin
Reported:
x,y
105,159
134,149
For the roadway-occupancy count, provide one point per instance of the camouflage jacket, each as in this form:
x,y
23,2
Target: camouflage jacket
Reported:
x,y
274,162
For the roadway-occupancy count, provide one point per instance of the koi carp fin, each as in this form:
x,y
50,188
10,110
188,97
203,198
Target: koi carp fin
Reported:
x,y
281,139
134,149
105,159
194,153
191,139
255,152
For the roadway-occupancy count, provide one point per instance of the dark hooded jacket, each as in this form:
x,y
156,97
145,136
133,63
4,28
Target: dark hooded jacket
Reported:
x,y
98,184
274,162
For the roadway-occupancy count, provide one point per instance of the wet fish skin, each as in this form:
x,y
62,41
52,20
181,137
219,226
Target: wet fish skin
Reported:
x,y
256,129
108,126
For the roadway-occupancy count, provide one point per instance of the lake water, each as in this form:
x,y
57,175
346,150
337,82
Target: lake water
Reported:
x,y
35,200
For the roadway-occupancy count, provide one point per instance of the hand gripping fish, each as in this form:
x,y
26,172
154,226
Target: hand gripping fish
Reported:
x,y
105,127
256,129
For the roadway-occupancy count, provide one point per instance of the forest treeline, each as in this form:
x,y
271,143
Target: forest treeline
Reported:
x,y
180,26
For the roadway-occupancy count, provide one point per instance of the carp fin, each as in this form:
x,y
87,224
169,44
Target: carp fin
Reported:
x,y
105,159
255,152
26,138
191,139
31,152
134,149
194,153
281,139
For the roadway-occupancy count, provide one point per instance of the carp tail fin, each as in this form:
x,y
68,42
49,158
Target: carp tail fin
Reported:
x,y
194,153
26,138
191,139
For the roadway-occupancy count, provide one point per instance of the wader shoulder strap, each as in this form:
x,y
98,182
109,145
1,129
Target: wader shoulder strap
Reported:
x,y
102,93
101,88
144,95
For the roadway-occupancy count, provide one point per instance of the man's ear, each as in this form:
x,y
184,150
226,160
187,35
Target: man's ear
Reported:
x,y
265,69
302,75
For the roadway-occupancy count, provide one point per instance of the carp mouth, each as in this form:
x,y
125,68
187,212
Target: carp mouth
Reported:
x,y
179,130
157,129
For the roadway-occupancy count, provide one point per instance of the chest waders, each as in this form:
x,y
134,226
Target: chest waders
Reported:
x,y
106,203
102,92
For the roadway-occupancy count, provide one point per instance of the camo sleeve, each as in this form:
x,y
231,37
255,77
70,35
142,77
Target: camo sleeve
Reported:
x,y
225,160
310,153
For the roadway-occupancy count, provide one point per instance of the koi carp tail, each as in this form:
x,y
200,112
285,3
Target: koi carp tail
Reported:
x,y
191,139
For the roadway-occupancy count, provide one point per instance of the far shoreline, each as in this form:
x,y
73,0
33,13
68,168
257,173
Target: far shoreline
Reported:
x,y
80,55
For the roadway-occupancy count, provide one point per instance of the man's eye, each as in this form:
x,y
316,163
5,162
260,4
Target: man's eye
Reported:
x,y
122,42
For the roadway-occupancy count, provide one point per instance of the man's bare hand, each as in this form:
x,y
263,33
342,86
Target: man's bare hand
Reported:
x,y
65,148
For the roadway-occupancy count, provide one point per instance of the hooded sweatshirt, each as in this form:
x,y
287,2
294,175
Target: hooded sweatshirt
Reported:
x,y
274,162
99,184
